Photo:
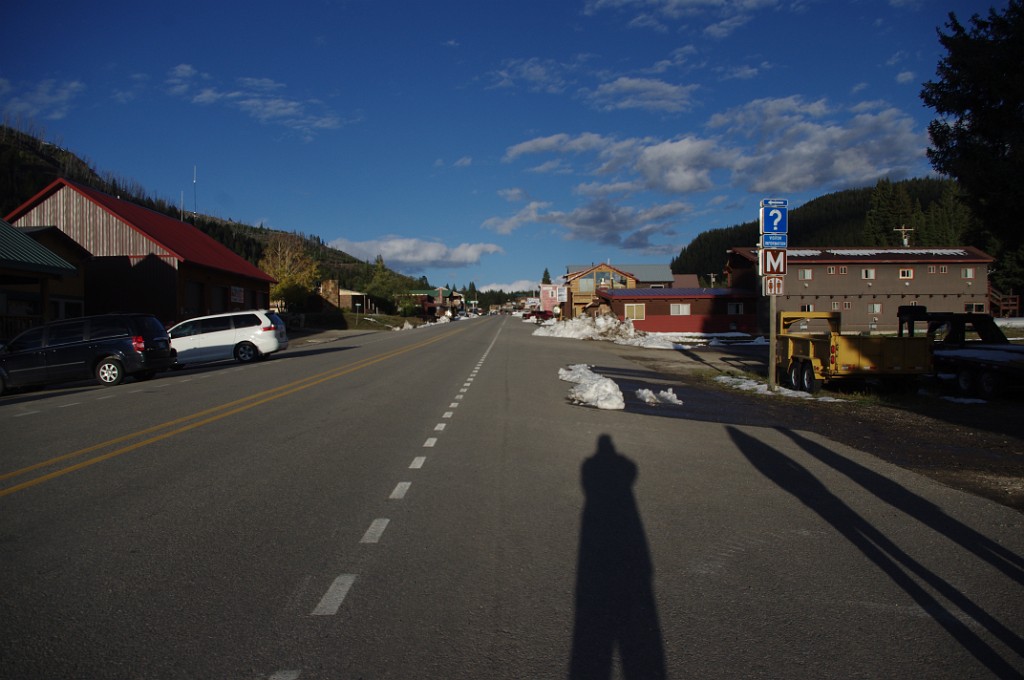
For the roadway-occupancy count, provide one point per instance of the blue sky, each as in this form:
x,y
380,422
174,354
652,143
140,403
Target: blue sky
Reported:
x,y
482,140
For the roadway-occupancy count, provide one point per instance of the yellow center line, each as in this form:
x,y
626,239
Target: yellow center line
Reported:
x,y
199,419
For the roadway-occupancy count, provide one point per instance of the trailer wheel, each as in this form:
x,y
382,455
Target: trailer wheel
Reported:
x,y
988,384
794,375
965,380
808,382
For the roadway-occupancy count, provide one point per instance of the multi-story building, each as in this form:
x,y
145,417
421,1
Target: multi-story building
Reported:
x,y
583,282
868,285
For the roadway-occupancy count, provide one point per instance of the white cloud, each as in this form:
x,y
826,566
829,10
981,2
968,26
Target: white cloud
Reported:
x,y
48,100
258,99
464,162
526,215
411,255
642,93
536,75
515,286
681,166
904,77
560,143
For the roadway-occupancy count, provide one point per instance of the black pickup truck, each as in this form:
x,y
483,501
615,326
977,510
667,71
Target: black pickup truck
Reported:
x,y
971,347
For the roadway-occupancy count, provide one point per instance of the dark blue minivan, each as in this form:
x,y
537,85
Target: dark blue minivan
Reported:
x,y
107,347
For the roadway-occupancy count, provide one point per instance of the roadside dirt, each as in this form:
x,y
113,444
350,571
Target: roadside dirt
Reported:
x,y
975,447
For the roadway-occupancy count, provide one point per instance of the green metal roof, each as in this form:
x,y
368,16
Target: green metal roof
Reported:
x,y
18,251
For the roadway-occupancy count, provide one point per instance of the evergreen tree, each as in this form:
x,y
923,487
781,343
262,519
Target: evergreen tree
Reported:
x,y
546,278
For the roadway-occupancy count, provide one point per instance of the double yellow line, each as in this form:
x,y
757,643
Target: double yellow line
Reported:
x,y
178,426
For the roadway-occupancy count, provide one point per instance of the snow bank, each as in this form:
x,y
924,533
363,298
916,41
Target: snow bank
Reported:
x,y
592,389
610,329
749,385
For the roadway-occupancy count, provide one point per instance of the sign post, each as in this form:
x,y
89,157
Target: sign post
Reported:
x,y
771,266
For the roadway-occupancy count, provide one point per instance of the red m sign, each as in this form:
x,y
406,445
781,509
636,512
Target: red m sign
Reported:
x,y
773,261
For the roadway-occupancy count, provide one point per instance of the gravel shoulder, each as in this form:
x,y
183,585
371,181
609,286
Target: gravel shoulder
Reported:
x,y
975,447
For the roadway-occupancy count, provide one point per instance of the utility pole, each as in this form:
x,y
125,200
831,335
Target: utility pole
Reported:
x,y
904,231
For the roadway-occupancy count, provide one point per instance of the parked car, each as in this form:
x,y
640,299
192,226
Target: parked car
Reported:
x,y
245,336
107,347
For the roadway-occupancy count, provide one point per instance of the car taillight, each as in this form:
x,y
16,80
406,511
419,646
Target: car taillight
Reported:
x,y
271,327
138,343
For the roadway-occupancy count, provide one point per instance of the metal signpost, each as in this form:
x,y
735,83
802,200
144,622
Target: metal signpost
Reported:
x,y
771,266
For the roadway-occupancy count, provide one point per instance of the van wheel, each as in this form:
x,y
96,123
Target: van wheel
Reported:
x,y
109,372
794,375
808,382
246,352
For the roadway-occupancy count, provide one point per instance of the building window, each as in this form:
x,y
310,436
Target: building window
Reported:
x,y
830,270
635,312
874,308
735,308
931,269
806,308
842,270
867,274
587,285
974,307
679,309
906,273
943,269
967,273
835,306
847,305
805,274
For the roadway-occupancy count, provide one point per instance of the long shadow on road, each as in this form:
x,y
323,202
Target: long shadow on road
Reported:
x,y
615,607
884,553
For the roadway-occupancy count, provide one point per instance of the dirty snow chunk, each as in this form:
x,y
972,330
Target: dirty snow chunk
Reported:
x,y
664,397
591,388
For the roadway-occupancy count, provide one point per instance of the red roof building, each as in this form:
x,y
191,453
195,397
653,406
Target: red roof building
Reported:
x,y
142,260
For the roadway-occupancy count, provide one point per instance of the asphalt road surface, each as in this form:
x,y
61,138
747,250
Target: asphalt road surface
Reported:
x,y
428,504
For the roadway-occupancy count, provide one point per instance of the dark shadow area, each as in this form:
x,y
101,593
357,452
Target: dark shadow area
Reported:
x,y
906,501
615,607
900,567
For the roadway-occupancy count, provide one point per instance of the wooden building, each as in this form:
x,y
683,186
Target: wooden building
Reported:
x,y
142,260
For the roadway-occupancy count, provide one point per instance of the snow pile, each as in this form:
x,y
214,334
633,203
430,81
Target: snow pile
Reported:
x,y
591,388
664,397
586,328
749,385
610,329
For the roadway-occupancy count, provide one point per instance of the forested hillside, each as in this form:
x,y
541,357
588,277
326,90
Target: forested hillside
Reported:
x,y
862,217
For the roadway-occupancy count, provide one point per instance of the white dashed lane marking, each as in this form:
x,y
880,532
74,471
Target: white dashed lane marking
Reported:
x,y
400,490
335,595
375,531
417,462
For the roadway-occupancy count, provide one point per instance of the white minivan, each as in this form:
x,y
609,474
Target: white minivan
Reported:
x,y
245,336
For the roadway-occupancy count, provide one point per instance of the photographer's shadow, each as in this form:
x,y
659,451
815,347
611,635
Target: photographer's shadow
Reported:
x,y
615,605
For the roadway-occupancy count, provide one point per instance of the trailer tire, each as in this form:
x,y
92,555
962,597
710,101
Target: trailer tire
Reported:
x,y
966,380
808,382
987,384
795,371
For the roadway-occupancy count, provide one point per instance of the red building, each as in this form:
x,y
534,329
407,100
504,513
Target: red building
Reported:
x,y
684,310
142,260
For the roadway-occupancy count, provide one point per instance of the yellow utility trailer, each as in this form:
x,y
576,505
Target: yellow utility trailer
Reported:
x,y
811,350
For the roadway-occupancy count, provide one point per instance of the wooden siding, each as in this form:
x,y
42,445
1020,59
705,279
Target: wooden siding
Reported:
x,y
92,227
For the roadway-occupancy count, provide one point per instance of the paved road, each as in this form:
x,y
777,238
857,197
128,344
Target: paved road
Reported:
x,y
428,504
